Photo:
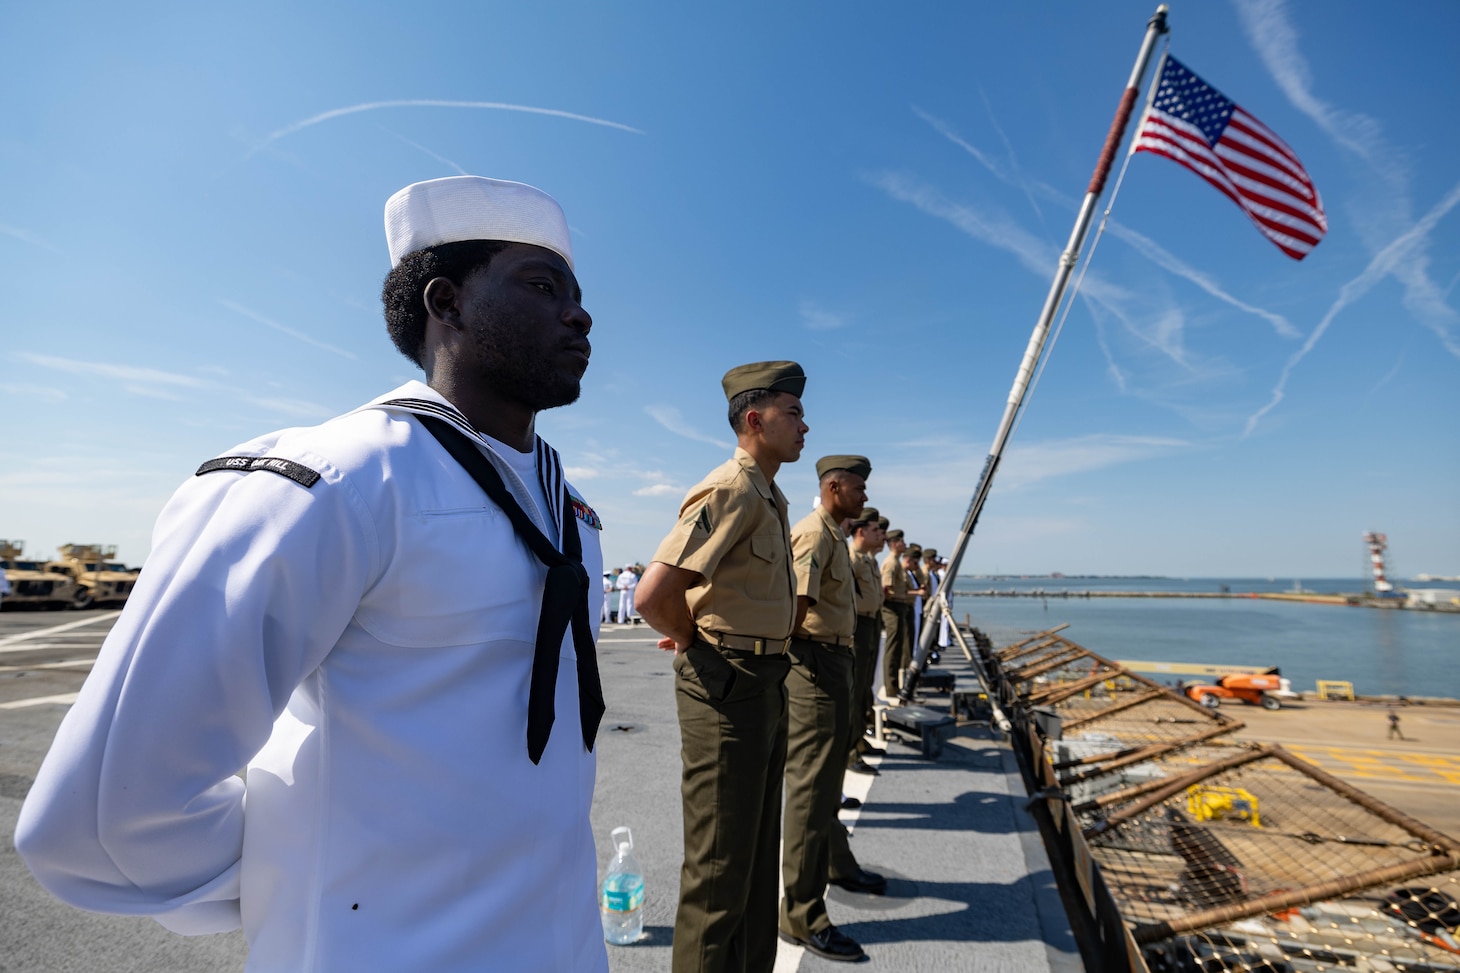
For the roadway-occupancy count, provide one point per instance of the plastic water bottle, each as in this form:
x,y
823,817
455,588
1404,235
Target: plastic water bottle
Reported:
x,y
621,901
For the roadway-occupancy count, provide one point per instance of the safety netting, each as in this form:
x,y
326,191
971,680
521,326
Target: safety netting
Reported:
x,y
1221,854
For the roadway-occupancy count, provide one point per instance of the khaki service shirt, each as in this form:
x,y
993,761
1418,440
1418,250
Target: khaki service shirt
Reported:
x,y
824,575
732,531
894,576
868,599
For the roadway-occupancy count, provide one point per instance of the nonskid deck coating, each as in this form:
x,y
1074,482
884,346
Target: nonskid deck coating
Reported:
x,y
969,885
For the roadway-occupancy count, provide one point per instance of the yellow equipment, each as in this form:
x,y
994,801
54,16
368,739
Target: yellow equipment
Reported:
x,y
1207,802
1335,689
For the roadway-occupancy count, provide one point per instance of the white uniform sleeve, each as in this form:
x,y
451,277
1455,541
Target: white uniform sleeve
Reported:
x,y
137,809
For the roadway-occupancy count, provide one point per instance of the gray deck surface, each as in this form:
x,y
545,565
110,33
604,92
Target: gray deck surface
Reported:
x,y
970,887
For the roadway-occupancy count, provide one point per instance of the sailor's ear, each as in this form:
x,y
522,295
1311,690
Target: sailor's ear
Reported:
x,y
443,302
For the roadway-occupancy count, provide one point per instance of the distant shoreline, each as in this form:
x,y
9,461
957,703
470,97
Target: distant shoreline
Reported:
x,y
1308,597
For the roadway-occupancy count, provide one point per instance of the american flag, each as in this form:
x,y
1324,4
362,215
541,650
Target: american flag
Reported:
x,y
1192,123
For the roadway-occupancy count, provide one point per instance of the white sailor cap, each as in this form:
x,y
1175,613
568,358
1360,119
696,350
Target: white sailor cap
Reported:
x,y
456,208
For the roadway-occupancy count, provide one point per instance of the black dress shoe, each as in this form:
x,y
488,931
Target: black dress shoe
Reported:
x,y
864,748
860,766
829,943
850,803
869,883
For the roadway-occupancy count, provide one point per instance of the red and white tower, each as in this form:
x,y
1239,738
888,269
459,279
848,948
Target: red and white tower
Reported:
x,y
1378,544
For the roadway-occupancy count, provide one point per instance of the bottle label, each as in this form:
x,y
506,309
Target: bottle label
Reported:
x,y
623,900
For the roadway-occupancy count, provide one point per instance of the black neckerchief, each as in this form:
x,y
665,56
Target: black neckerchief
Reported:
x,y
564,597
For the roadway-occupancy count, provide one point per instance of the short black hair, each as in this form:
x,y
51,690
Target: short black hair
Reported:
x,y
744,402
403,293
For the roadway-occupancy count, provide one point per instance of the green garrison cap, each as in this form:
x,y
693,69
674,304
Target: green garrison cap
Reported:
x,y
777,376
915,549
860,465
884,523
930,552
870,515
894,535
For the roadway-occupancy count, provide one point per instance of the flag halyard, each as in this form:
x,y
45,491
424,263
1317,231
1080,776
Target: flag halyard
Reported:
x,y
1195,125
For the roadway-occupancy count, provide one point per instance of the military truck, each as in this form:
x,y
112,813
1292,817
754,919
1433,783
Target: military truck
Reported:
x,y
97,579
32,582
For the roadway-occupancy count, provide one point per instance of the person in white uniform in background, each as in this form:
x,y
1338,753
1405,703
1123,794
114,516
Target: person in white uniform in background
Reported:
x,y
603,614
4,584
414,720
627,582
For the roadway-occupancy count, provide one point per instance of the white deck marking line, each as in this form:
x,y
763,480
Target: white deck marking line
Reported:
x,y
788,957
858,786
46,646
55,629
49,665
63,698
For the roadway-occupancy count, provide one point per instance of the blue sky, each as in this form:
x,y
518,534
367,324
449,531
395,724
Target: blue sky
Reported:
x,y
191,229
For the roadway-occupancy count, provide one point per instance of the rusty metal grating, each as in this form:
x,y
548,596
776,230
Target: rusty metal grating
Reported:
x,y
1218,854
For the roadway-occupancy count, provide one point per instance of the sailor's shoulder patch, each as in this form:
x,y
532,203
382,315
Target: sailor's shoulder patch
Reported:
x,y
585,513
297,472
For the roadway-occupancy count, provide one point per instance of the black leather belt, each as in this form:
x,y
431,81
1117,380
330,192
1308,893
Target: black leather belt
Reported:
x,y
745,643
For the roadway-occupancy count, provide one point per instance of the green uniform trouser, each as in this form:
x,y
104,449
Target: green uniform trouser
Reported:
x,y
732,725
864,670
897,654
819,688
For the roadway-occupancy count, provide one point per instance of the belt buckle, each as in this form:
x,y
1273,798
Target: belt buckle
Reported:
x,y
759,645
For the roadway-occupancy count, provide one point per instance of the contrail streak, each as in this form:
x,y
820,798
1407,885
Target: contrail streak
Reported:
x,y
417,145
253,315
288,130
1384,263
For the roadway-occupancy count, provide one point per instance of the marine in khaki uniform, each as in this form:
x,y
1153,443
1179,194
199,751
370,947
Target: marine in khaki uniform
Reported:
x,y
722,591
896,615
819,688
866,539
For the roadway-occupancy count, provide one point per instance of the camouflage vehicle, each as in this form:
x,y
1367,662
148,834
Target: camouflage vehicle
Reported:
x,y
97,579
32,582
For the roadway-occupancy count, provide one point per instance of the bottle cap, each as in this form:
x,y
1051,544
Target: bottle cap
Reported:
x,y
623,839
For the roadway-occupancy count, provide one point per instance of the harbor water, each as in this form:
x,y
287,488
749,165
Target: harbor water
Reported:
x,y
1382,652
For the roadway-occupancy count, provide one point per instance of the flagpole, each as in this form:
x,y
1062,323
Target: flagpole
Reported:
x,y
1154,29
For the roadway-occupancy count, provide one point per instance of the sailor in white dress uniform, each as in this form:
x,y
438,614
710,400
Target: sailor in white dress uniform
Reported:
x,y
343,612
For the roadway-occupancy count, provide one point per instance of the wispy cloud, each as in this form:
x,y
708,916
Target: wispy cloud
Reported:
x,y
135,377
670,418
154,383
1023,465
1168,261
1272,35
1383,264
25,236
253,315
1142,244
298,408
1015,169
659,490
33,393
1386,214
1039,258
579,473
325,116
818,318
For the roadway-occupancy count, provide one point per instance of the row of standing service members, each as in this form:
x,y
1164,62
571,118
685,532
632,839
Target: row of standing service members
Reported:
x,y
774,630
